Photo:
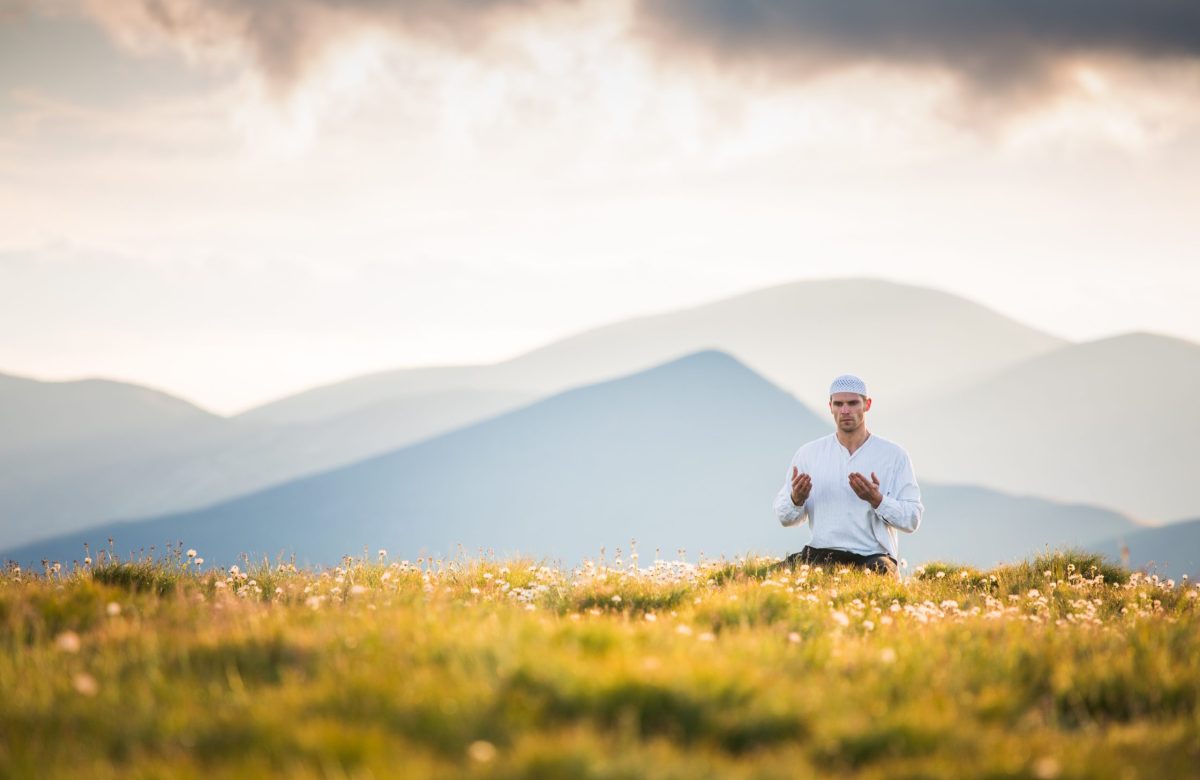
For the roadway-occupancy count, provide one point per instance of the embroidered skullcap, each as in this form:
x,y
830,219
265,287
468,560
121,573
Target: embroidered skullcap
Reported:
x,y
848,383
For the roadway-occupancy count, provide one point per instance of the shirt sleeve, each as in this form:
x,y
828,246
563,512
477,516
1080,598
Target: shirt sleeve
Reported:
x,y
901,507
788,513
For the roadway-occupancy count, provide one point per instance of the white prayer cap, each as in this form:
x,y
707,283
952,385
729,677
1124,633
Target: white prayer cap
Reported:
x,y
848,383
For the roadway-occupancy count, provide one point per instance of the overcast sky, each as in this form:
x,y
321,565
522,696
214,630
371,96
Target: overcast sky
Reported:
x,y
232,200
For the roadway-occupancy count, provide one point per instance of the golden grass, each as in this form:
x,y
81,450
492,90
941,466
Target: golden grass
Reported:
x,y
1059,667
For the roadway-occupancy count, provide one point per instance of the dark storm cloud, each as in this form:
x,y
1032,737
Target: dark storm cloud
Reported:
x,y
284,37
1006,44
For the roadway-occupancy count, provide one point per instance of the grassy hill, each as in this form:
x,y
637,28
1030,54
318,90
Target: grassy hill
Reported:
x,y
1058,667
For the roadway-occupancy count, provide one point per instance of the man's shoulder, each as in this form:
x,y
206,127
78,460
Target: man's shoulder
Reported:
x,y
889,447
817,445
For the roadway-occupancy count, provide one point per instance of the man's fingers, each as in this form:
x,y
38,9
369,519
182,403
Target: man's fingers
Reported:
x,y
874,478
795,472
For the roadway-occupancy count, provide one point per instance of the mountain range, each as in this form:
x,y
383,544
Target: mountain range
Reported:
x,y
1170,551
686,455
911,341
1106,422
980,401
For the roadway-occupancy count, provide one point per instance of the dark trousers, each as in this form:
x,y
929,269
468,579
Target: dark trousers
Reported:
x,y
823,556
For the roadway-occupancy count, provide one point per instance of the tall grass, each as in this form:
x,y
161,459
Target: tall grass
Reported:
x,y
1061,666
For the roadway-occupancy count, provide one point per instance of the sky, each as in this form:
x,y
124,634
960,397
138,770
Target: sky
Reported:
x,y
234,200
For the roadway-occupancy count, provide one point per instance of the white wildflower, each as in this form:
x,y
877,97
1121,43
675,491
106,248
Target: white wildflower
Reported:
x,y
84,684
68,642
481,751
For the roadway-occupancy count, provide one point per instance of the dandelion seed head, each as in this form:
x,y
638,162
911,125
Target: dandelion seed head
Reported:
x,y
887,655
794,638
1046,768
191,553
68,642
84,684
112,609
481,751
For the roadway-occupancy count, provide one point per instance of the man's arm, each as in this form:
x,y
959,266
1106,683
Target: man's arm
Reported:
x,y
901,506
788,512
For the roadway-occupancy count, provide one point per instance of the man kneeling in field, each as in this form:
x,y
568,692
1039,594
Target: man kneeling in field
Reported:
x,y
854,519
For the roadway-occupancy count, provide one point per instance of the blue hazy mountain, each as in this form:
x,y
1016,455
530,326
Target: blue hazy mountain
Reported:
x,y
981,527
798,335
37,415
1170,551
74,454
138,467
1108,422
686,455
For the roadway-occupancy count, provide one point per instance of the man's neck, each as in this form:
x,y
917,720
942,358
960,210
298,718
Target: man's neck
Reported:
x,y
854,439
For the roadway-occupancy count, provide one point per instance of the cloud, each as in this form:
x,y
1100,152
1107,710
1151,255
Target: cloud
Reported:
x,y
1001,50
1005,46
285,38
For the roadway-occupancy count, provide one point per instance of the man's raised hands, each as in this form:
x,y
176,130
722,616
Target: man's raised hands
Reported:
x,y
867,491
801,486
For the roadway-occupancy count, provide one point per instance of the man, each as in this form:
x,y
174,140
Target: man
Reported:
x,y
855,489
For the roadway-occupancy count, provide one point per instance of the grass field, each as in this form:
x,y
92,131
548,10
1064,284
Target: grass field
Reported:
x,y
1059,667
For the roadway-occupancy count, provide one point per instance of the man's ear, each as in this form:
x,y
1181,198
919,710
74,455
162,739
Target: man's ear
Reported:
x,y
866,404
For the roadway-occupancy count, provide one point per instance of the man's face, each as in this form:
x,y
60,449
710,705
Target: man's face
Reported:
x,y
848,410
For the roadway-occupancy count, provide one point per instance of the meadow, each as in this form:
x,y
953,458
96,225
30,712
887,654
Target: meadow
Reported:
x,y
1059,667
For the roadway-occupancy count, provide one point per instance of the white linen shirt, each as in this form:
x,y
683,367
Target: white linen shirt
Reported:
x,y
839,519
